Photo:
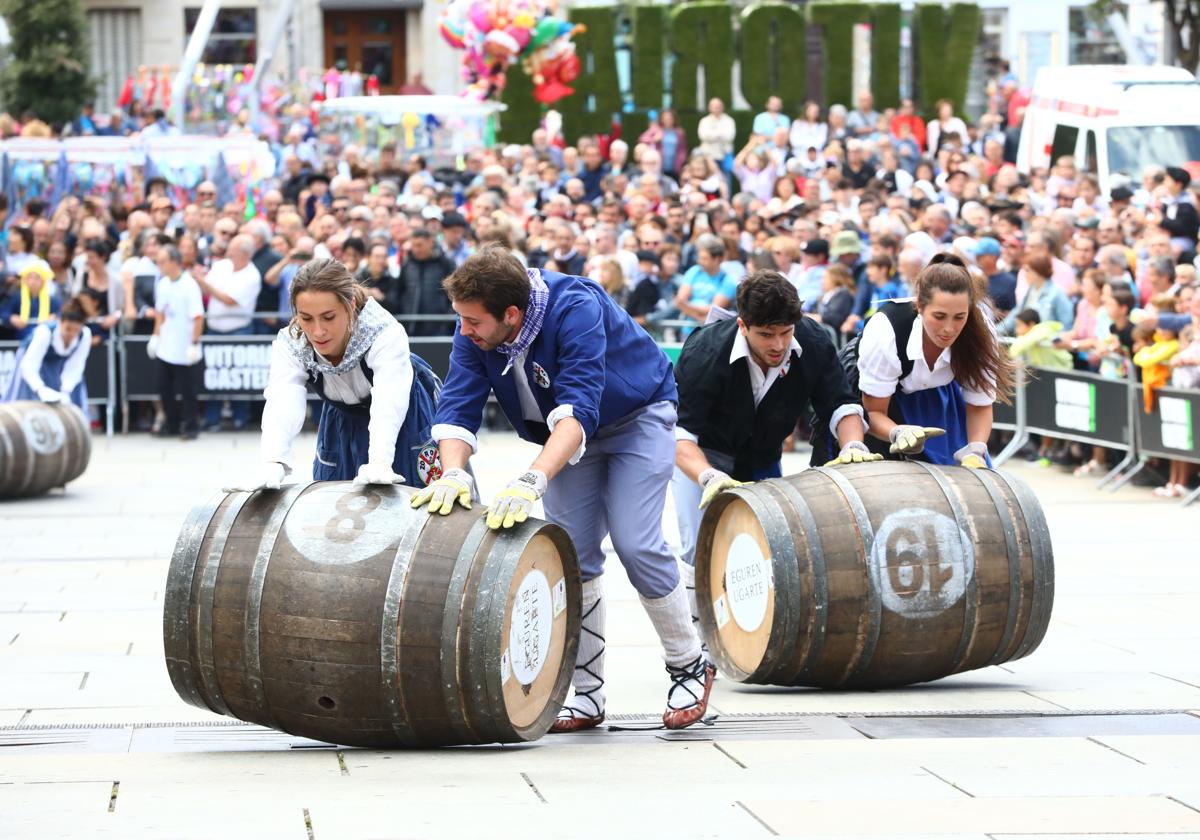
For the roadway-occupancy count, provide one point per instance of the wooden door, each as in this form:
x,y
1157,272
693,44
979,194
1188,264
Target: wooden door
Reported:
x,y
369,42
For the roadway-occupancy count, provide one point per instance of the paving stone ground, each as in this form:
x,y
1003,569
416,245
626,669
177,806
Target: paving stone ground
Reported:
x,y
1096,734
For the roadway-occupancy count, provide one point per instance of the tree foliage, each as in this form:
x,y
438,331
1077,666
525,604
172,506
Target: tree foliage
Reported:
x,y
1183,26
47,67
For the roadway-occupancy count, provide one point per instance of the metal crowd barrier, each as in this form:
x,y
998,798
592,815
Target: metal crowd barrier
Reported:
x,y
99,374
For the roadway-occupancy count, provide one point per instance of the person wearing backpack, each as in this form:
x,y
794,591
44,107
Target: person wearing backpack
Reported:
x,y
930,369
743,383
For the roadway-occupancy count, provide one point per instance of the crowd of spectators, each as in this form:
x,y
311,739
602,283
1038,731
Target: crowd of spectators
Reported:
x,y
848,204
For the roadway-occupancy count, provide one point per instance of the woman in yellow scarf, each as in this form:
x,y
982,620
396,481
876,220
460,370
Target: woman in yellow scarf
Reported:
x,y
34,302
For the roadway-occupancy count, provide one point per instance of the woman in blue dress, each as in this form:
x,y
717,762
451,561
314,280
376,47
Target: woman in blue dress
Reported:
x,y
930,369
377,398
51,361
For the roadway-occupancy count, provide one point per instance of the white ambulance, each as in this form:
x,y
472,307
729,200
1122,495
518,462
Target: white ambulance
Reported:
x,y
1113,119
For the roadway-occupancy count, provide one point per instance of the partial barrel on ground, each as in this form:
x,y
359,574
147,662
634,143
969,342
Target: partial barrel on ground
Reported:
x,y
42,446
339,613
873,575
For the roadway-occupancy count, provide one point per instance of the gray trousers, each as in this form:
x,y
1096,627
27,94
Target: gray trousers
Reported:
x,y
619,488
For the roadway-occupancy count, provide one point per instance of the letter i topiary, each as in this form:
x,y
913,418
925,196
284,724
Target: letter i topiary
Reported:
x,y
839,20
524,113
945,45
885,55
773,55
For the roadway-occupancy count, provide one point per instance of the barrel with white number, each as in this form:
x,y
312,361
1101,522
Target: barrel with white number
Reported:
x,y
42,446
339,613
873,575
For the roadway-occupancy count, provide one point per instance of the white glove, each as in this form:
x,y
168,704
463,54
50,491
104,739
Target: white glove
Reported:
x,y
910,440
514,502
48,395
152,347
377,474
270,476
972,456
854,452
64,396
194,354
712,481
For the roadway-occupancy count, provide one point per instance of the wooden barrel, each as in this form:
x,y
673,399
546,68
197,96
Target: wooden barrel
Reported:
x,y
339,613
42,445
873,575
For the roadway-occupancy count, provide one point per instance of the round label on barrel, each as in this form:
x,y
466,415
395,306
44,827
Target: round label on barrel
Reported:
x,y
531,626
44,430
335,526
924,562
747,580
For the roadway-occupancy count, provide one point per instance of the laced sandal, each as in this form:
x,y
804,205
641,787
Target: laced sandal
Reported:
x,y
691,684
583,710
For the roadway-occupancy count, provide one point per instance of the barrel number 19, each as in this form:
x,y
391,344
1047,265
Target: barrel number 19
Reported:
x,y
923,561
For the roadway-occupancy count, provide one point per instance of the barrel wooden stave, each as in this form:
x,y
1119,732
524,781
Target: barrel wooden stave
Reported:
x,y
42,446
850,632
335,565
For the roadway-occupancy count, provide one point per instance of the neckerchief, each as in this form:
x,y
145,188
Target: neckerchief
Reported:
x,y
372,320
535,313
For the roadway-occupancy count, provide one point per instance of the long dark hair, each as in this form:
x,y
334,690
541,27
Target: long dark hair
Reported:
x,y
978,360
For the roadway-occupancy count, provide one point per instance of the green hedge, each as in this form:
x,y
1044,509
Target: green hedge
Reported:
x,y
885,55
838,19
773,55
701,35
524,112
944,50
597,75
646,56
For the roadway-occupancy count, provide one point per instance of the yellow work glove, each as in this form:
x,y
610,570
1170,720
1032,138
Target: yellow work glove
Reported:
x,y
453,486
514,502
713,481
910,440
854,452
972,456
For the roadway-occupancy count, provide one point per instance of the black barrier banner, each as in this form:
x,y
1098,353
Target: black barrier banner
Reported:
x,y
1172,429
237,367
1004,415
95,371
1074,404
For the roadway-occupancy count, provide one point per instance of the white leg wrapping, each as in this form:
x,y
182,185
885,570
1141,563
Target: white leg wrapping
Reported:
x,y
587,700
673,622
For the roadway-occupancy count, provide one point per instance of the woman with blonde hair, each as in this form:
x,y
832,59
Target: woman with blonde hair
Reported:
x,y
378,399
612,279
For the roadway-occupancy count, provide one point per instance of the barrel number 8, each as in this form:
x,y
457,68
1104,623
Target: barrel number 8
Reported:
x,y
924,562
347,512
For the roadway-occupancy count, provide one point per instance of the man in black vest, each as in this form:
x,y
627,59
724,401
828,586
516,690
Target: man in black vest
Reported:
x,y
743,384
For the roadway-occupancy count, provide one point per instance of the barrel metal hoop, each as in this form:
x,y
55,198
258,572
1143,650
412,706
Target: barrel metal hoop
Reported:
x,y
254,596
453,630
866,534
971,590
1009,527
27,482
816,553
491,603
177,603
389,649
8,450
205,653
1043,565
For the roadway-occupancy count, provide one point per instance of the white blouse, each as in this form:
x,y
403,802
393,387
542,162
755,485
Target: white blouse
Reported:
x,y
286,394
35,354
879,364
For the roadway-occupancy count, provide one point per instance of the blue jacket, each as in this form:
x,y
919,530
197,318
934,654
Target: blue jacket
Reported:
x,y
591,355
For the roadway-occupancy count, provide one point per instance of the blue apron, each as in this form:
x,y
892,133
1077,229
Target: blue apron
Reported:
x,y
343,438
943,407
51,373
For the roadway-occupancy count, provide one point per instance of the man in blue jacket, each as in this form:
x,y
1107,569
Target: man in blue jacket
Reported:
x,y
577,376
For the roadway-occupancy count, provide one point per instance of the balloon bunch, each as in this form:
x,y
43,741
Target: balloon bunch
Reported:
x,y
495,34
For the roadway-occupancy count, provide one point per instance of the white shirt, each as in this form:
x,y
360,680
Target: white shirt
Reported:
x,y
879,364
243,286
180,303
287,395
72,372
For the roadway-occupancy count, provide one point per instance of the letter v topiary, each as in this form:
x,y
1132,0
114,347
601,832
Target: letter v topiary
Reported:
x,y
944,50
